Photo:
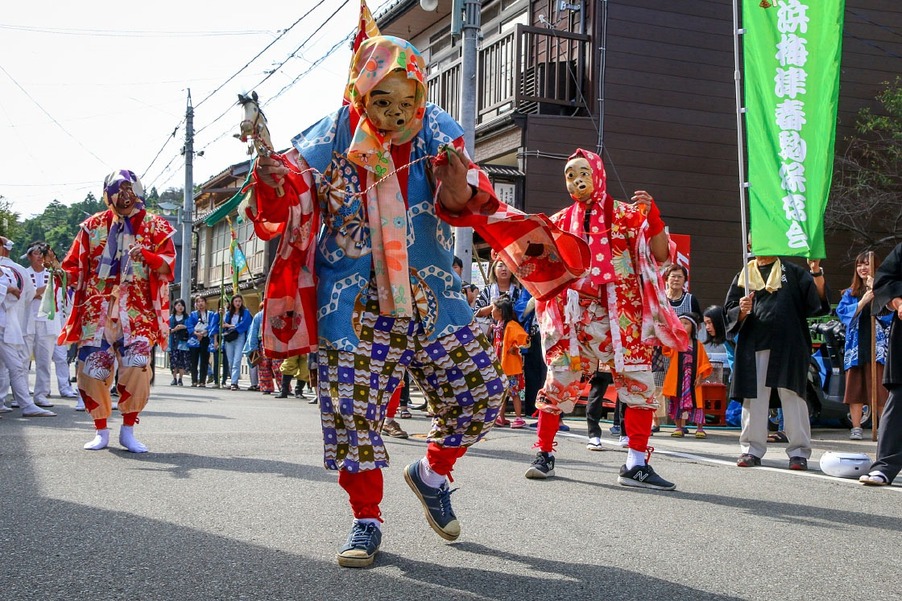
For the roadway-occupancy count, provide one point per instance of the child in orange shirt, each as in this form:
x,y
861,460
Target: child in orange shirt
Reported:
x,y
510,338
682,382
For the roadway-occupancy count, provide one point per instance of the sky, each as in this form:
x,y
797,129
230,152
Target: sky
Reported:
x,y
90,87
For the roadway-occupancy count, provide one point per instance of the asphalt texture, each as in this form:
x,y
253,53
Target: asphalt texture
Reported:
x,y
232,502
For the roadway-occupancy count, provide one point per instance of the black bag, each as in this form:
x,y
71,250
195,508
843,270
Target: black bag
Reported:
x,y
231,336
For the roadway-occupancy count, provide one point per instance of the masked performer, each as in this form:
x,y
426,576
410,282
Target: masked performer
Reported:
x,y
119,265
615,315
387,297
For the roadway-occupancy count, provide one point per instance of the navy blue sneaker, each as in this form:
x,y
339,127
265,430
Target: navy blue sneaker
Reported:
x,y
615,430
436,503
361,547
643,476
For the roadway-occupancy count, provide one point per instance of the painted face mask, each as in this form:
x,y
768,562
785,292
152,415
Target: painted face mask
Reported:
x,y
123,192
391,105
584,176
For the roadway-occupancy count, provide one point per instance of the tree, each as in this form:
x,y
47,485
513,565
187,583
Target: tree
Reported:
x,y
9,220
59,224
866,195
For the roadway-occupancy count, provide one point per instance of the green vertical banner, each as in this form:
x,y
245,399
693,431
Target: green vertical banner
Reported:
x,y
791,53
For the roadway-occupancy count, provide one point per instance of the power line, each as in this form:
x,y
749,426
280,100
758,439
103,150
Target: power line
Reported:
x,y
313,65
268,46
51,117
160,151
121,33
280,65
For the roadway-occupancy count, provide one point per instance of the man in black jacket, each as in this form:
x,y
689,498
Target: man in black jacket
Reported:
x,y
888,295
768,316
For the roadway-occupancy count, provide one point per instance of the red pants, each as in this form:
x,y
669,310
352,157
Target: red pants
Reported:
x,y
365,488
637,423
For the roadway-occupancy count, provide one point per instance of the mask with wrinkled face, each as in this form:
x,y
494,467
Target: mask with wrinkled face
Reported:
x,y
578,176
391,105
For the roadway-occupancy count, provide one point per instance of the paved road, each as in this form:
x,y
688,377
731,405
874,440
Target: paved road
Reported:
x,y
232,503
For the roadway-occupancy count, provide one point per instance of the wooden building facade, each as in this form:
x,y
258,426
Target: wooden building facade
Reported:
x,y
665,105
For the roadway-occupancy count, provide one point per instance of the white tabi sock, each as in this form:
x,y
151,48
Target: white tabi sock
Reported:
x,y
430,477
101,440
372,521
634,458
127,439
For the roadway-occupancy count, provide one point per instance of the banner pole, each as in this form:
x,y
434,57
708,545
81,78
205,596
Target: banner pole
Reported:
x,y
740,141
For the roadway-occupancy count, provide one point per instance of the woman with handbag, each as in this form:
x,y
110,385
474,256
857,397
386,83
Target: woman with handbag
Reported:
x,y
179,355
235,324
201,326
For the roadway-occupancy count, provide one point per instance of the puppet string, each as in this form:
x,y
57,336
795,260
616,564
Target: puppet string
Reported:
x,y
321,176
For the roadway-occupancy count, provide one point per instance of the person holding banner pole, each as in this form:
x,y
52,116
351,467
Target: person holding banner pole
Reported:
x,y
888,297
767,306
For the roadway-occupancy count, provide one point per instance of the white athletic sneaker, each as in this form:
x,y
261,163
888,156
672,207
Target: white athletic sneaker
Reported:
x,y
595,444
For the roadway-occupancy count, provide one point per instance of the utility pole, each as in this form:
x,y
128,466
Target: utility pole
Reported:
x,y
188,208
472,23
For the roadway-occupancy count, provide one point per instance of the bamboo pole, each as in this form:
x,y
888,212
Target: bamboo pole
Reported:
x,y
875,412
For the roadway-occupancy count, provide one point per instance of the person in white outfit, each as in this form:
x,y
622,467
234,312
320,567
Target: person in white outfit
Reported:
x,y
45,323
17,292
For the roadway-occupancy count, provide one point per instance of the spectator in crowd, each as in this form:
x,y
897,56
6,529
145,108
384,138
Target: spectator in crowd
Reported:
x,y
854,310
676,277
600,318
683,380
767,307
254,342
17,292
534,370
510,341
458,266
201,325
390,427
716,328
179,354
888,297
236,321
501,281
45,320
120,264
294,368
598,386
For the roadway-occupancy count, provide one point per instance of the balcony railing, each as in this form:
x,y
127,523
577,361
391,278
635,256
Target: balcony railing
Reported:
x,y
529,69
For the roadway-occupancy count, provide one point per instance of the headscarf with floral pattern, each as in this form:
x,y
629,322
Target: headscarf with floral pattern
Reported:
x,y
121,227
371,149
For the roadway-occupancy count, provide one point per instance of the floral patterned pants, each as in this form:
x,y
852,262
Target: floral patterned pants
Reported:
x,y
458,373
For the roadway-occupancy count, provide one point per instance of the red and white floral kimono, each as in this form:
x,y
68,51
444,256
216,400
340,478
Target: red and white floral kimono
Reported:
x,y
615,314
120,317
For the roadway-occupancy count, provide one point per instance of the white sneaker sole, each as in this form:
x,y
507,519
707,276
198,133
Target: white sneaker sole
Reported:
x,y
535,474
636,484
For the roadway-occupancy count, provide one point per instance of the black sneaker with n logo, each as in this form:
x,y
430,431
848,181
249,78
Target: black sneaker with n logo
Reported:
x,y
643,476
542,467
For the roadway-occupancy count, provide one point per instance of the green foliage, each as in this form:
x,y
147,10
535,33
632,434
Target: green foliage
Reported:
x,y
9,220
58,224
866,197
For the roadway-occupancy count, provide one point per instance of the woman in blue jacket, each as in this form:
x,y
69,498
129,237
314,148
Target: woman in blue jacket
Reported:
x,y
235,325
202,328
854,310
